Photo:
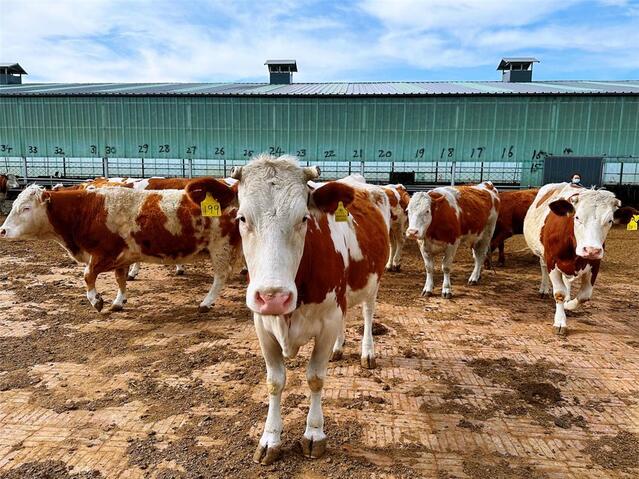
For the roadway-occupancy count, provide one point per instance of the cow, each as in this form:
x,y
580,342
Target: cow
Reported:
x,y
309,260
441,219
566,227
7,182
108,229
399,199
513,206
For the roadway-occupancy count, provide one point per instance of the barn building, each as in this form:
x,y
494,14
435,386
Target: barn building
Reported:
x,y
516,131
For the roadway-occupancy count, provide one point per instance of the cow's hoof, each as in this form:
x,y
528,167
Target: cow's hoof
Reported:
x,y
447,295
561,330
368,362
501,264
99,304
179,272
266,455
473,282
397,268
130,277
203,308
337,355
427,294
313,449
117,307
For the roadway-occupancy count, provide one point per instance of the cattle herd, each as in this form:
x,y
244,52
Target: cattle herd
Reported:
x,y
313,249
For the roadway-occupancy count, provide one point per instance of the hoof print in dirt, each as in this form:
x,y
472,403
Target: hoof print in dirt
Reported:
x,y
266,455
313,449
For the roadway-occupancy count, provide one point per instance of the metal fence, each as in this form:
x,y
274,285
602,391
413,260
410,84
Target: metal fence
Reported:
x,y
55,169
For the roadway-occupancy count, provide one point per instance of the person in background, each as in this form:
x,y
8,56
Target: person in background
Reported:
x,y
576,179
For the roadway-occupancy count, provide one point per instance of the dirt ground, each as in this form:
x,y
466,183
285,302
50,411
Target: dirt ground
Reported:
x,y
477,386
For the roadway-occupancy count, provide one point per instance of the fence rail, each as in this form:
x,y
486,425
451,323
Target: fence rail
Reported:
x,y
618,171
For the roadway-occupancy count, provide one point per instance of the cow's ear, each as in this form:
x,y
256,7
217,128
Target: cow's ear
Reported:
x,y
197,190
311,172
623,215
46,197
327,196
562,207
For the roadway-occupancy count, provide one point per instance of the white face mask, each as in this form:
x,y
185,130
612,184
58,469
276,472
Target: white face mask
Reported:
x,y
576,179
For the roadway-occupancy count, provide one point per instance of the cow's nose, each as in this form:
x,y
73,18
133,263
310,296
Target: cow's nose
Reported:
x,y
273,302
592,252
3,232
411,233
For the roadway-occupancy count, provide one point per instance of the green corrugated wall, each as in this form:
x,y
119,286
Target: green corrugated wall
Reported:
x,y
492,128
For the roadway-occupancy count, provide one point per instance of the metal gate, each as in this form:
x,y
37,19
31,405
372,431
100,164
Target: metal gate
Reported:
x,y
561,168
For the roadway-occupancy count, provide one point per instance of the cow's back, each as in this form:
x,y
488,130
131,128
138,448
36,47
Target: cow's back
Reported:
x,y
3,186
513,209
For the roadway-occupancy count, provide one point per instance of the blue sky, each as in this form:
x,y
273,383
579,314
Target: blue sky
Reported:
x,y
360,40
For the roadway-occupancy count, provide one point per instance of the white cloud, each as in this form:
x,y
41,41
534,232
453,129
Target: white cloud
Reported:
x,y
224,40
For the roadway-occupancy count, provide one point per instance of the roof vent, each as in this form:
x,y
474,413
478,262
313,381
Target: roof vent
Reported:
x,y
516,70
11,73
281,71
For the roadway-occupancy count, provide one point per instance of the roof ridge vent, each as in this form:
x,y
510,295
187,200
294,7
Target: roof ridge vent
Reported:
x,y
11,73
281,71
517,69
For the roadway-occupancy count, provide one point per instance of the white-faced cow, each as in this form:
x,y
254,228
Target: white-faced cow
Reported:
x,y
107,229
398,198
566,227
441,219
306,268
7,182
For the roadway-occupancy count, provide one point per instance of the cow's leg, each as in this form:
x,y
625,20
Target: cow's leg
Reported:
x,y
544,288
314,439
560,293
179,269
90,276
429,264
397,257
479,254
134,270
338,347
447,264
393,247
502,256
268,448
368,347
584,294
219,280
120,299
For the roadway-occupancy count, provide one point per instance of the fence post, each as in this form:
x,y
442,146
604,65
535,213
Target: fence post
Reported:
x,y
190,168
25,169
621,174
142,167
64,166
452,174
481,172
361,167
350,167
105,167
224,167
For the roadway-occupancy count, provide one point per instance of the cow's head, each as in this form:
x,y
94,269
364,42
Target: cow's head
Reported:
x,y
28,217
275,206
420,214
12,182
594,212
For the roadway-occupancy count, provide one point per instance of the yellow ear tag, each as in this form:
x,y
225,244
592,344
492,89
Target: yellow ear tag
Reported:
x,y
341,213
634,223
210,206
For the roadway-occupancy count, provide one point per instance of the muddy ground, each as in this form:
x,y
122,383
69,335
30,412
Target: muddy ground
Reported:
x,y
477,386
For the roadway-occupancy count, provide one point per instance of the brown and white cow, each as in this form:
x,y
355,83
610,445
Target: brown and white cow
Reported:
x,y
306,269
109,228
441,219
513,206
399,199
6,183
566,227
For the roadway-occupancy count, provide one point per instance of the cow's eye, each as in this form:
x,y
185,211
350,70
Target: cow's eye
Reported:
x,y
242,219
577,218
305,219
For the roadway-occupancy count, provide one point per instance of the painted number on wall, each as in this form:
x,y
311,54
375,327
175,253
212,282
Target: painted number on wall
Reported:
x,y
165,149
6,148
384,153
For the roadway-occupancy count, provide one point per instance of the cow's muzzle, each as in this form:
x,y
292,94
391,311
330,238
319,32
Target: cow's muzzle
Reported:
x,y
592,252
412,233
273,302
